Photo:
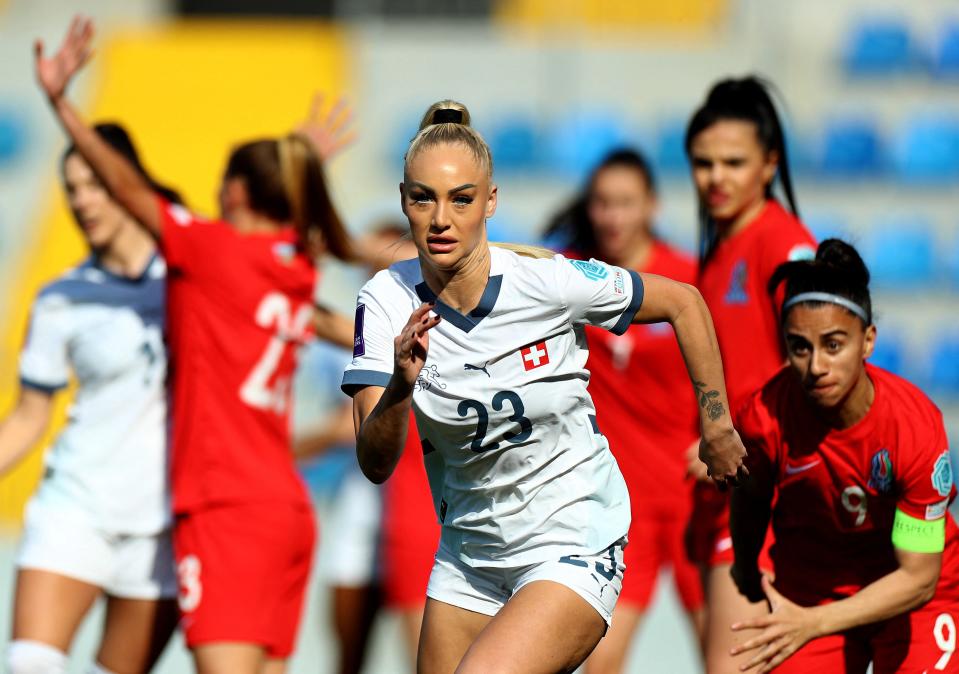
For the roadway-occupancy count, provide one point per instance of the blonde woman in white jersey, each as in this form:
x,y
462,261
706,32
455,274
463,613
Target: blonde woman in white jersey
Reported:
x,y
487,347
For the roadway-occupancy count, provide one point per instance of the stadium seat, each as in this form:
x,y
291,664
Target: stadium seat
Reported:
x,y
901,254
926,149
889,351
13,136
945,57
580,141
878,47
826,225
943,375
850,148
515,145
669,147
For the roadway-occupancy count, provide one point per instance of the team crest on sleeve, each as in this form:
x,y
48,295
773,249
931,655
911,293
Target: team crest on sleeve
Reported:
x,y
359,346
594,271
534,355
880,474
803,251
942,474
180,215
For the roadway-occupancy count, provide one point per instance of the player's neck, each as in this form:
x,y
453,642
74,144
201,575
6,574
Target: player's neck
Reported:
x,y
128,253
463,287
246,221
749,214
855,406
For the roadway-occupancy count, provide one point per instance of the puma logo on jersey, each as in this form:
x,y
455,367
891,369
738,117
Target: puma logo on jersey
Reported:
x,y
467,366
792,469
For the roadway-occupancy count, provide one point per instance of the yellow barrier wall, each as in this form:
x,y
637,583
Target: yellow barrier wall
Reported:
x,y
611,13
188,92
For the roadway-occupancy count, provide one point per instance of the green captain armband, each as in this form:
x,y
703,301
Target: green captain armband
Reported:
x,y
915,535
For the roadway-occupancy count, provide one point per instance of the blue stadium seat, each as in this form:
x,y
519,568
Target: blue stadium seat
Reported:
x,y
945,57
669,147
878,47
826,225
515,145
901,254
13,135
850,148
926,150
580,141
943,375
889,352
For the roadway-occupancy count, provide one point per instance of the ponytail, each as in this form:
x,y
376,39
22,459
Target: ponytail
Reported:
x,y
285,182
747,99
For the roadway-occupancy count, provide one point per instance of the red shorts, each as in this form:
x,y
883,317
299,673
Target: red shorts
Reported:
x,y
920,642
708,541
243,572
655,542
411,533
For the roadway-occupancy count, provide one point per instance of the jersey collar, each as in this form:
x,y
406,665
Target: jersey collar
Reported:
x,y
465,322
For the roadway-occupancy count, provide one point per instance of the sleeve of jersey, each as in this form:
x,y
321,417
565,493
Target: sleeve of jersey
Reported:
x,y
373,336
44,365
926,485
181,239
599,294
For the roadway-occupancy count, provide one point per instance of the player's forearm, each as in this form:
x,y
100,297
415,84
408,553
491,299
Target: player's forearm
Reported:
x,y
19,432
332,326
382,435
697,341
893,594
119,177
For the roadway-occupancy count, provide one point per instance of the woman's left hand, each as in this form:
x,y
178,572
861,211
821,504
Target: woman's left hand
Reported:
x,y
328,133
783,631
723,453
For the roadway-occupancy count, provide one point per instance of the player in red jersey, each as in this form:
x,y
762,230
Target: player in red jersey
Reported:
x,y
736,149
613,221
239,303
865,552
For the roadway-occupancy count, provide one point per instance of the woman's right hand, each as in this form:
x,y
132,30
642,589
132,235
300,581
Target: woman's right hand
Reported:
x,y
411,347
55,73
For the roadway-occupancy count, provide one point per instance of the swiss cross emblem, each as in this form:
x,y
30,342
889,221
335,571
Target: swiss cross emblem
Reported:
x,y
534,355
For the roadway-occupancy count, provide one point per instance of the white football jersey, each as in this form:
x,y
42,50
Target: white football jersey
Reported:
x,y
519,471
110,460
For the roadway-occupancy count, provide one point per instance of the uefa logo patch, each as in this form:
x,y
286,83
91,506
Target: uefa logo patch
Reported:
x,y
942,474
591,270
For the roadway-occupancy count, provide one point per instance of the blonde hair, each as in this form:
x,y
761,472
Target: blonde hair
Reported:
x,y
448,122
526,250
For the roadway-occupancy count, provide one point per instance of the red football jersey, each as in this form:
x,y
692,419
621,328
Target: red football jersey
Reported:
x,y
238,308
733,283
644,401
838,490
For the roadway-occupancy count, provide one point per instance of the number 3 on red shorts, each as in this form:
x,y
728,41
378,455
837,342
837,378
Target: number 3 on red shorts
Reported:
x,y
944,633
191,591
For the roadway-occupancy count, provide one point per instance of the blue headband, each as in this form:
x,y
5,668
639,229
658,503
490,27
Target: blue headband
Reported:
x,y
829,298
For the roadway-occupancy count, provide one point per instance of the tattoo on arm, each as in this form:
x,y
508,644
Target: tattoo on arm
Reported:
x,y
708,400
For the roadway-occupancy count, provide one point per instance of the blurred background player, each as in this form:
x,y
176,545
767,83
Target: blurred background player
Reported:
x,y
736,150
649,432
100,521
866,553
534,508
240,303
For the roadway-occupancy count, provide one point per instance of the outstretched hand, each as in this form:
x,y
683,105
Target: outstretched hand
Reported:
x,y
55,73
329,133
783,631
411,347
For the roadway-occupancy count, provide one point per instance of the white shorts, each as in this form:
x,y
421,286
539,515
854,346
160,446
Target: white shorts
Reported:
x,y
129,566
596,578
351,533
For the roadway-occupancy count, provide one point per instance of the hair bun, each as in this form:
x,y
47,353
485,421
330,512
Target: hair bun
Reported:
x,y
445,112
843,257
